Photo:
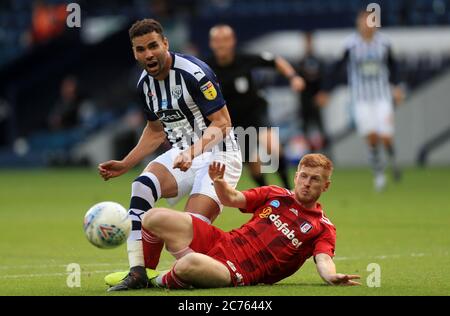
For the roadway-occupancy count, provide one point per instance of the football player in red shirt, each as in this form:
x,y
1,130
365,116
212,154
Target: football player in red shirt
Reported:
x,y
285,230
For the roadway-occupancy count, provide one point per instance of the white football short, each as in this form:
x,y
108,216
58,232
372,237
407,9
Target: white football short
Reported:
x,y
196,179
374,117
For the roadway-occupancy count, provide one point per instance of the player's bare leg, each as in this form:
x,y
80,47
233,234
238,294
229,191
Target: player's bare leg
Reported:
x,y
152,246
203,205
199,270
144,251
157,225
169,186
389,147
375,161
174,228
152,243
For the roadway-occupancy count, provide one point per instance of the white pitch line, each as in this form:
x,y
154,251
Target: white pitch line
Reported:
x,y
381,257
168,263
124,264
40,275
346,258
45,266
165,263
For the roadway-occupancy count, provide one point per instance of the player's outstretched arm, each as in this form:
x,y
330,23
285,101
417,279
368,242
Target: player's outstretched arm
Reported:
x,y
227,195
327,271
152,137
285,68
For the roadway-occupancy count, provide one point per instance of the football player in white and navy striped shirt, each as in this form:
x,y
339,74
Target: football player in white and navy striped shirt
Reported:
x,y
370,72
183,103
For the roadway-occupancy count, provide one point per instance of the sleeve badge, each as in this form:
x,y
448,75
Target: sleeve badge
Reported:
x,y
209,91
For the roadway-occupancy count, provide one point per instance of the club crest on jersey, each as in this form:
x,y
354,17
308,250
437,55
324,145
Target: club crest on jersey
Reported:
x,y
209,91
177,91
275,203
305,227
265,212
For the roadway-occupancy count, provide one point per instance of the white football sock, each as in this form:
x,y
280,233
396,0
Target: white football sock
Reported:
x,y
135,253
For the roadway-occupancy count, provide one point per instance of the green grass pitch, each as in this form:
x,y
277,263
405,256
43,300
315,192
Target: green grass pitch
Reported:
x,y
405,230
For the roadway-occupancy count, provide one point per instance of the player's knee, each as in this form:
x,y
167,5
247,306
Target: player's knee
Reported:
x,y
387,141
155,219
187,266
372,139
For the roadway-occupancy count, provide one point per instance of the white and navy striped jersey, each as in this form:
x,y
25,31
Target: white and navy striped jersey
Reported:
x,y
184,100
368,68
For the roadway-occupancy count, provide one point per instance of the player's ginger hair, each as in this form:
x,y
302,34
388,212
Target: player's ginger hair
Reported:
x,y
317,160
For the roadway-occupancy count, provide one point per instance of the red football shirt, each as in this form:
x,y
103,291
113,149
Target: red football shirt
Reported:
x,y
280,236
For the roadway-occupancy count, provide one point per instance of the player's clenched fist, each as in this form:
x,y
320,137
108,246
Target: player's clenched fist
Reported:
x,y
216,171
112,169
183,161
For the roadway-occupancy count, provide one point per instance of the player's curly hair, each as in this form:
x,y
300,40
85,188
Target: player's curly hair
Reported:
x,y
317,160
145,26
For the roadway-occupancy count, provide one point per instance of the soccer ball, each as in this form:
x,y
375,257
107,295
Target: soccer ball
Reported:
x,y
107,225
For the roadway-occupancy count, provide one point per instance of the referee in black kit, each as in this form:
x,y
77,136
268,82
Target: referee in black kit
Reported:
x,y
247,107
311,68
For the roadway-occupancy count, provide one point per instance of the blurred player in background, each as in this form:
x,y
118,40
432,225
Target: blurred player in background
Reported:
x,y
370,71
184,104
311,68
247,107
286,229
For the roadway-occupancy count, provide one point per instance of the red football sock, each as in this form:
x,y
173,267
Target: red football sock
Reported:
x,y
171,280
152,246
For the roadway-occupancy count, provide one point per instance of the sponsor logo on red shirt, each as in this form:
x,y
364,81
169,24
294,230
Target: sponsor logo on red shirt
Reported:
x,y
265,212
284,229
